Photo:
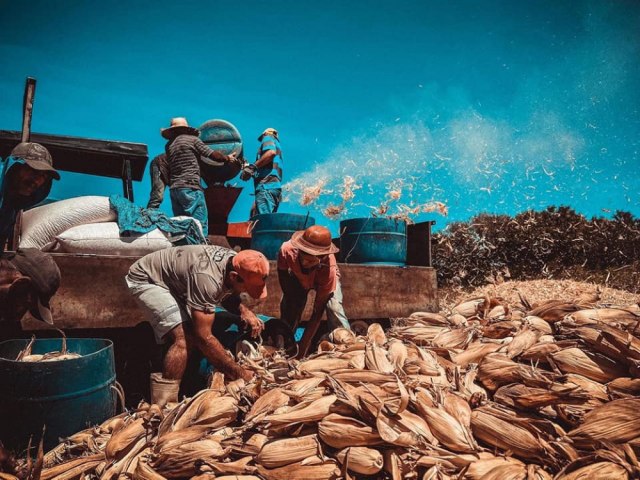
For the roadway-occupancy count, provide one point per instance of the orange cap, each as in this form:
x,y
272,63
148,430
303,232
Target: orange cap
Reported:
x,y
253,267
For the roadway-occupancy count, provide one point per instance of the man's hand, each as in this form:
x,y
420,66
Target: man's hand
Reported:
x,y
232,158
248,171
251,321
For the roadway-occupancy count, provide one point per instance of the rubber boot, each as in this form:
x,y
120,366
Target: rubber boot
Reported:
x,y
163,390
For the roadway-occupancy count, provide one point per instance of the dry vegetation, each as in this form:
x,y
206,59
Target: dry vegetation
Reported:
x,y
555,243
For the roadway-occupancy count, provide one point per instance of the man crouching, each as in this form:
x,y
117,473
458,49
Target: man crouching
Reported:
x,y
181,288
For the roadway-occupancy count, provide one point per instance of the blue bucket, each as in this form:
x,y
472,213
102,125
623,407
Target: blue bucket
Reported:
x,y
374,241
271,230
66,396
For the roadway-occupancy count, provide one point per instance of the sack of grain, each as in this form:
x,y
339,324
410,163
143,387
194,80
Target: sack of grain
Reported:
x,y
40,225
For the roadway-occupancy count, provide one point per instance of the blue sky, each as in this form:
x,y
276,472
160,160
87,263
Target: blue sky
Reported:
x,y
492,106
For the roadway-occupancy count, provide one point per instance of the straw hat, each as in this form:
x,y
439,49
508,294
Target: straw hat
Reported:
x,y
179,126
268,131
315,240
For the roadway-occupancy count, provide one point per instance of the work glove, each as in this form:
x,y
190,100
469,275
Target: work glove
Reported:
x,y
248,171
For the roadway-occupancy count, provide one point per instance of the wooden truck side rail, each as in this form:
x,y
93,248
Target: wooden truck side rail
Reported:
x,y
93,292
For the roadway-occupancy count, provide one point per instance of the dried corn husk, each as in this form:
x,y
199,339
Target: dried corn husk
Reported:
x,y
405,429
342,336
305,412
364,460
376,335
324,364
616,422
376,358
430,318
624,387
523,340
474,353
539,324
500,330
180,461
469,308
479,468
458,338
505,435
593,366
268,403
279,453
72,469
397,353
623,316
339,432
297,471
121,441
497,370
446,428
210,411
520,396
597,471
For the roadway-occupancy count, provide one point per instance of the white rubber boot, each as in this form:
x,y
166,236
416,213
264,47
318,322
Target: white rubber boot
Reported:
x,y
163,390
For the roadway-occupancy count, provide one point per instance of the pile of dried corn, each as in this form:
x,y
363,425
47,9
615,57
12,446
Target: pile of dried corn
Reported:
x,y
489,391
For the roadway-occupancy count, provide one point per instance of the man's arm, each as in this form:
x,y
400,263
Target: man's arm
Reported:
x,y
211,347
205,151
266,158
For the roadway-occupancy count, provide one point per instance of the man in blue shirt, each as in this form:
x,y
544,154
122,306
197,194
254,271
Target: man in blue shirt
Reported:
x,y
266,172
25,180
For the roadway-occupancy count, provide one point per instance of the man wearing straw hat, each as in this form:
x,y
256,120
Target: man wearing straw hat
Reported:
x,y
184,150
266,173
308,262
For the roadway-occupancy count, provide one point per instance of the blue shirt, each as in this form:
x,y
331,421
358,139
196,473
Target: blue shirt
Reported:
x,y
269,176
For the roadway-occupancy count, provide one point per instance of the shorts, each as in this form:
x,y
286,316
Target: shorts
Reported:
x,y
165,311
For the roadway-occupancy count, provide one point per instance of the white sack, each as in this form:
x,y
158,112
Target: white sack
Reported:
x,y
104,239
41,225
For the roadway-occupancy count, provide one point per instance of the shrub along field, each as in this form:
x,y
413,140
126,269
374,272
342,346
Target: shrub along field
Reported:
x,y
556,243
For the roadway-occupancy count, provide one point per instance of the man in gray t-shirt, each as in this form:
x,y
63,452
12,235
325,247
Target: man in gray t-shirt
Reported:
x,y
181,287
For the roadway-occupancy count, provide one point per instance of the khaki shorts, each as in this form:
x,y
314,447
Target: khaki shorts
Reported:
x,y
165,311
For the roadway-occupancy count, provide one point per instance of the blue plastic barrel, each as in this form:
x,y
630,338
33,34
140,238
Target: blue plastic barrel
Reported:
x,y
373,241
270,230
66,396
224,137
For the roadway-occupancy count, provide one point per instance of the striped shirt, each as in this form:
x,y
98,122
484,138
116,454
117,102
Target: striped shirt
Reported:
x,y
185,153
269,176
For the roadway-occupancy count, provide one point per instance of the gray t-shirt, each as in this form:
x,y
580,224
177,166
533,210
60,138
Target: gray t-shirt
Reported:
x,y
194,274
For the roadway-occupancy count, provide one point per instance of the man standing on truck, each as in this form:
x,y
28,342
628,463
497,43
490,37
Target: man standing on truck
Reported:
x,y
266,173
181,287
159,173
308,262
25,180
184,150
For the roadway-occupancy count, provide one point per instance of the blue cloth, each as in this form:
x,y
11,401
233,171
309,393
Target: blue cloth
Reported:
x,y
191,202
269,176
137,220
267,199
9,209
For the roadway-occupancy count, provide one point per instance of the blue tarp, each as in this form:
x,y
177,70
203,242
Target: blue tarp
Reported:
x,y
133,220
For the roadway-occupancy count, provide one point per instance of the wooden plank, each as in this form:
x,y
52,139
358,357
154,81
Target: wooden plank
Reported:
x,y
84,155
93,293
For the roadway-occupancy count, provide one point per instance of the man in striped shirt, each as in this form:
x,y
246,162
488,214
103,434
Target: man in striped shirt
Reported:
x,y
267,172
184,150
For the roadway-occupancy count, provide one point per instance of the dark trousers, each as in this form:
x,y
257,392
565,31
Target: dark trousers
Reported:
x,y
294,299
157,186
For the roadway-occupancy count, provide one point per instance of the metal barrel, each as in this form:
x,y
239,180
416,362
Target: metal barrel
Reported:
x,y
64,396
373,241
271,230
